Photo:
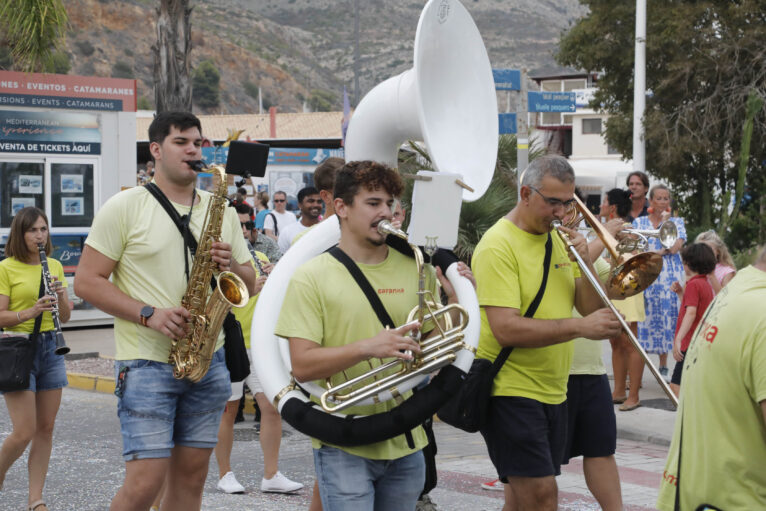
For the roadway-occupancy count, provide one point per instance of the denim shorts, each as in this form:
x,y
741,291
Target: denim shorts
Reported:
x,y
158,411
349,483
48,369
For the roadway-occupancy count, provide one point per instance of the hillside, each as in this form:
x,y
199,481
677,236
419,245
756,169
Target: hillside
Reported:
x,y
291,47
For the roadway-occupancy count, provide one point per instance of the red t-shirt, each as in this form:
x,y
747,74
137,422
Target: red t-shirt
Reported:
x,y
698,293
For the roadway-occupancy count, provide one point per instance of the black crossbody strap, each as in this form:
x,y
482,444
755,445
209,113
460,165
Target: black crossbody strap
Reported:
x,y
505,352
364,284
182,222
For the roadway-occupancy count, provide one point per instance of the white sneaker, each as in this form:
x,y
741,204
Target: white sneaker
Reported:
x,y
279,484
495,485
229,484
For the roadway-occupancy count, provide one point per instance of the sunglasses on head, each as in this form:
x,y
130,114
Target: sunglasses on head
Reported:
x,y
247,225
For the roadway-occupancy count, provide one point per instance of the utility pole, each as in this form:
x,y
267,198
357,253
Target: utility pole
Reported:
x,y
522,133
639,88
356,53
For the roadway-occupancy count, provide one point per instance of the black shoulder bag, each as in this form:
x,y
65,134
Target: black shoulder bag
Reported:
x,y
234,348
17,354
468,409
276,227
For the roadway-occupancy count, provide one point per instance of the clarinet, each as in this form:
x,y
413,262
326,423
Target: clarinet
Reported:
x,y
258,263
61,347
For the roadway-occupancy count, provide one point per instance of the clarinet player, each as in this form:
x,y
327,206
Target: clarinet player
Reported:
x,y
32,411
169,426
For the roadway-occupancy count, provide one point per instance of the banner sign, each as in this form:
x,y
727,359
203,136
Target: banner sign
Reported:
x,y
287,156
41,90
507,123
49,132
507,79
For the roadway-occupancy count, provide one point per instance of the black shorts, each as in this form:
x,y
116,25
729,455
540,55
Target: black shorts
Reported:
x,y
591,424
525,438
676,378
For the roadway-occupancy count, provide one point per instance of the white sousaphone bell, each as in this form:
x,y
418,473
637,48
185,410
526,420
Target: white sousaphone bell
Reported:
x,y
447,100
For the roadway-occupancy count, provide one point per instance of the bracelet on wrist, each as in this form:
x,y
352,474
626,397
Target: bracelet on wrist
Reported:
x,y
18,316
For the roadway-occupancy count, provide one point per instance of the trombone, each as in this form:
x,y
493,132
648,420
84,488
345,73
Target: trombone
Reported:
x,y
632,273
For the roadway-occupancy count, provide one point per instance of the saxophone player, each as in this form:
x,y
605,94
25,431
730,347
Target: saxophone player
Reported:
x,y
169,426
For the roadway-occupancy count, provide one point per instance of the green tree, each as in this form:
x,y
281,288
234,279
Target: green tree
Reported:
x,y
207,85
58,63
321,100
122,69
703,59
32,29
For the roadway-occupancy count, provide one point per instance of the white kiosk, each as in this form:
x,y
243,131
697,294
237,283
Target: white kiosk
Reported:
x,y
67,144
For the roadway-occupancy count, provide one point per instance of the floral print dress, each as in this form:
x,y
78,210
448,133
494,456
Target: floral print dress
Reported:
x,y
661,304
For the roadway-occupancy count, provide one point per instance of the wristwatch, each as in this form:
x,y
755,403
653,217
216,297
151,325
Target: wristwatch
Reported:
x,y
146,313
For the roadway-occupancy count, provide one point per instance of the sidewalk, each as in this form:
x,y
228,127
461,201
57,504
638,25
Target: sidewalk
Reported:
x,y
644,424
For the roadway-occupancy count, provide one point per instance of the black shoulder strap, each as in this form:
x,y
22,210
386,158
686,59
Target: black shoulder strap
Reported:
x,y
274,219
505,352
182,222
360,279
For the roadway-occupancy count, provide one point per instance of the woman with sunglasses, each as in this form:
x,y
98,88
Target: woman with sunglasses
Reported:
x,y
32,411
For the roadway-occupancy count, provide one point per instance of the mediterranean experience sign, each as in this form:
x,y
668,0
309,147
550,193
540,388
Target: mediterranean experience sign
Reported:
x,y
49,132
41,90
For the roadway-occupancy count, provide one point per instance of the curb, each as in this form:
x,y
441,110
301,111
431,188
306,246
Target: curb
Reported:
x,y
105,385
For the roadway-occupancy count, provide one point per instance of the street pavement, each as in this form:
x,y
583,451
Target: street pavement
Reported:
x,y
86,466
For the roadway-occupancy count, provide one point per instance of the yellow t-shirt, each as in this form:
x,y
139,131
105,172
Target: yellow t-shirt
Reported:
x,y
324,304
245,314
133,229
724,436
508,266
587,352
21,283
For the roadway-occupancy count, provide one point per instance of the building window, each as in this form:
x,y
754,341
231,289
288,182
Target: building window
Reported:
x,y
570,85
591,126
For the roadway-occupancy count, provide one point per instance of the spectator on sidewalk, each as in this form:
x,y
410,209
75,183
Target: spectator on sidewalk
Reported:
x,y
725,269
262,209
311,207
699,263
718,453
279,218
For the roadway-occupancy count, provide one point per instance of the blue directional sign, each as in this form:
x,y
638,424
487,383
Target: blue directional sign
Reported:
x,y
507,79
507,123
551,101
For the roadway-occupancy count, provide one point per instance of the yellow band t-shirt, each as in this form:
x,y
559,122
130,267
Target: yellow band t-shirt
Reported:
x,y
324,304
245,314
724,435
508,266
21,283
133,229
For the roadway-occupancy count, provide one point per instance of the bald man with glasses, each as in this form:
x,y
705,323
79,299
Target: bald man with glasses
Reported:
x,y
279,218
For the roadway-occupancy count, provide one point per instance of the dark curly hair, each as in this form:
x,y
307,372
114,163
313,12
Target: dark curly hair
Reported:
x,y
367,174
699,257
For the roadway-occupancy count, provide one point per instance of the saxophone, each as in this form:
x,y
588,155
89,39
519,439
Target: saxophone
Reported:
x,y
191,355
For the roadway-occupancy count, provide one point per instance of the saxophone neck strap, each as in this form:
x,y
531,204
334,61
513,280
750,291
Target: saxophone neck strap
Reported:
x,y
182,222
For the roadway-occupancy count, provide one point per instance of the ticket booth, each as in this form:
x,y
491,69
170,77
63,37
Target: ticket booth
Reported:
x,y
67,144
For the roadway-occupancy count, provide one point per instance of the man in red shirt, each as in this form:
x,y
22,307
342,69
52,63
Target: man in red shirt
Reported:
x,y
699,261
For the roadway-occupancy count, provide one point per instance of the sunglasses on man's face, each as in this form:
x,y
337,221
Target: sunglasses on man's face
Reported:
x,y
249,225
279,200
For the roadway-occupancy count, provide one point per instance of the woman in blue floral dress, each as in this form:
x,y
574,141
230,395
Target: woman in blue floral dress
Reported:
x,y
661,304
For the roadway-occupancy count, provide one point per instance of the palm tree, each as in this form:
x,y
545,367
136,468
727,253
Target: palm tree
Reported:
x,y
477,216
172,57
32,29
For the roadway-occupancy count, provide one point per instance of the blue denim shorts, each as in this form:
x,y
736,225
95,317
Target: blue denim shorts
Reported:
x,y
158,412
48,369
349,483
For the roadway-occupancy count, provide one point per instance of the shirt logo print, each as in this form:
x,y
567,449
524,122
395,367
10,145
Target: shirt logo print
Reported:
x,y
390,291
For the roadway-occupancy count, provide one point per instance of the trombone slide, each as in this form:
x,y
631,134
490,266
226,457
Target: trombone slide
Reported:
x,y
626,328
